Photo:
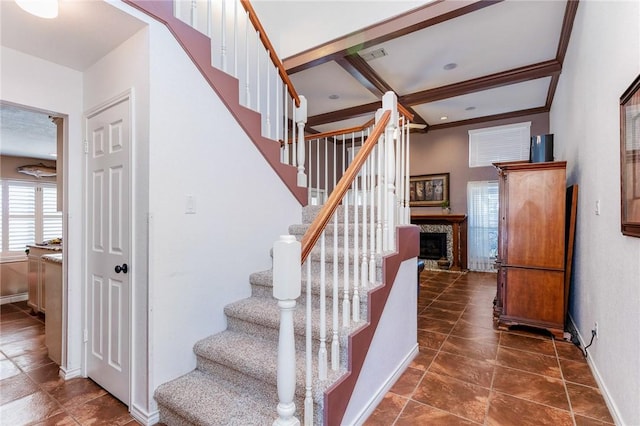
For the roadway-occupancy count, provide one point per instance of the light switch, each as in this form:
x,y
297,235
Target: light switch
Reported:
x,y
597,207
190,204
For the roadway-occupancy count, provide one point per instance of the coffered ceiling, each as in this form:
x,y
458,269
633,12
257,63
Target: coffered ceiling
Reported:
x,y
466,60
450,62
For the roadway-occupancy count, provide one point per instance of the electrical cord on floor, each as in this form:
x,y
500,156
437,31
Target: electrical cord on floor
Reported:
x,y
584,352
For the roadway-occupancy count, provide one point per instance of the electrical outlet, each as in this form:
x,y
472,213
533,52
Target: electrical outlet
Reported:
x,y
595,329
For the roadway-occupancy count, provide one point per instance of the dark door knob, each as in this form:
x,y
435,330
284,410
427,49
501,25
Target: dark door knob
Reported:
x,y
124,268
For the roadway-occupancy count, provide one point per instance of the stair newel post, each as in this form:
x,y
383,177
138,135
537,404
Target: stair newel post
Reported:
x,y
390,103
286,288
301,120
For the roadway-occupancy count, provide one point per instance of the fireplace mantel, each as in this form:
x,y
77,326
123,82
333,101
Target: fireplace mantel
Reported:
x,y
459,224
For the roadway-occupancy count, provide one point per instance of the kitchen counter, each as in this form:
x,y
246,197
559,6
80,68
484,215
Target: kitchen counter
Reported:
x,y
52,258
35,275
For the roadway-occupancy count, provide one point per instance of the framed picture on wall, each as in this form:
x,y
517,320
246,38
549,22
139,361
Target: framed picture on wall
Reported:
x,y
630,159
428,190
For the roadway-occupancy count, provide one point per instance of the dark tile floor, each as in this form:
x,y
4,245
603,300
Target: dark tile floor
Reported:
x,y
31,391
467,373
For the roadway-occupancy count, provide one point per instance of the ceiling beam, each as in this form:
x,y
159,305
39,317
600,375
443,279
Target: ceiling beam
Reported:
x,y
406,23
504,78
504,116
543,69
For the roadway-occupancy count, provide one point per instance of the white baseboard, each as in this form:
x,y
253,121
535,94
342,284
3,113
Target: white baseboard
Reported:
x,y
14,298
613,409
378,396
70,374
143,416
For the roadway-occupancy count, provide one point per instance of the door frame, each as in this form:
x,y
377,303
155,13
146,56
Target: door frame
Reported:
x,y
127,95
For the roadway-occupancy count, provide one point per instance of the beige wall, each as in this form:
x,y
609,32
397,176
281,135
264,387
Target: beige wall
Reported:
x,y
447,151
13,278
8,166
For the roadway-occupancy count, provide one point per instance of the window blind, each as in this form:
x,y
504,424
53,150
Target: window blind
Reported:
x,y
500,143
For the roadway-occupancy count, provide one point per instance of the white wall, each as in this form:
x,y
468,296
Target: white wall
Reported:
x,y
602,60
390,352
200,262
33,82
126,69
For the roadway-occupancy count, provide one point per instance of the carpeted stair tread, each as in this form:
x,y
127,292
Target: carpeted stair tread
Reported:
x,y
265,279
265,312
202,399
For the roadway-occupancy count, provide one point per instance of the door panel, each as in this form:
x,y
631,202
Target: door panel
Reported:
x,y
108,159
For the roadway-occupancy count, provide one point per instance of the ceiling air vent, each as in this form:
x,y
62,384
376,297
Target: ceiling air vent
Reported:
x,y
374,54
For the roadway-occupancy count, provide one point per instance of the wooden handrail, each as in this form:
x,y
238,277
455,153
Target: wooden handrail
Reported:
x,y
340,131
253,17
312,235
402,110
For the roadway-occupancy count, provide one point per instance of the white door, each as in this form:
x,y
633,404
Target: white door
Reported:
x,y
108,268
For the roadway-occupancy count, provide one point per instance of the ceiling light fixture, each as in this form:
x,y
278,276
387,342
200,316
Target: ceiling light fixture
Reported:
x,y
444,117
42,8
450,66
471,108
334,97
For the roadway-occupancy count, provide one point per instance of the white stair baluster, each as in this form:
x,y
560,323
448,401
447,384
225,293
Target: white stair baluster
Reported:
x,y
356,244
346,304
286,288
308,398
322,352
372,219
335,323
223,36
301,117
364,269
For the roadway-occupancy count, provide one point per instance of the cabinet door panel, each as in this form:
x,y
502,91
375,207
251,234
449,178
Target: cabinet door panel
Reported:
x,y
535,294
535,216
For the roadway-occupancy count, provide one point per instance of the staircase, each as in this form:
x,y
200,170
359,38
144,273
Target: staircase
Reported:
x,y
235,379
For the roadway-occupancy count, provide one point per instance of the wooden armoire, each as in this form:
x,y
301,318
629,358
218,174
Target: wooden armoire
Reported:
x,y
531,287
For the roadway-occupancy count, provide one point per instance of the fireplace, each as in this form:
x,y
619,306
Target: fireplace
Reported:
x,y
433,245
455,226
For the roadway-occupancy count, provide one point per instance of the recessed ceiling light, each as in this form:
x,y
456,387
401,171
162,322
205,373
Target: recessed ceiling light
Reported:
x,y
444,117
42,8
450,66
471,108
334,96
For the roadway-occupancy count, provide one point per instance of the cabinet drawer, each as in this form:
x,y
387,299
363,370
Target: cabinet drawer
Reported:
x,y
535,294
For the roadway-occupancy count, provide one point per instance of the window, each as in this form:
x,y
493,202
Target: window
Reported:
x,y
28,216
500,143
482,202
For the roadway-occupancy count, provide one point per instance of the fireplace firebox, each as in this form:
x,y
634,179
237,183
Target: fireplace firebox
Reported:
x,y
433,245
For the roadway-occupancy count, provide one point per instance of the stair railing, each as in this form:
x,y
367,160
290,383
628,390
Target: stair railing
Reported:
x,y
240,47
373,189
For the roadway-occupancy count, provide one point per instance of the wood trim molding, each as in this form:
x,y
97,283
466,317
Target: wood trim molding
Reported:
x,y
336,398
488,118
414,20
516,75
198,48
